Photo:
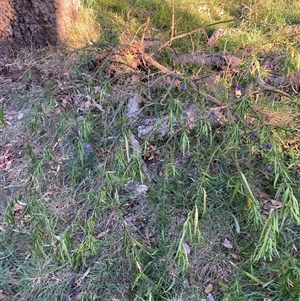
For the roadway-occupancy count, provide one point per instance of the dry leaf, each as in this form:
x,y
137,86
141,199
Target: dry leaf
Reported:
x,y
138,266
187,248
147,233
54,169
97,89
18,207
227,244
263,195
50,192
236,257
208,289
60,159
275,203
101,234
22,203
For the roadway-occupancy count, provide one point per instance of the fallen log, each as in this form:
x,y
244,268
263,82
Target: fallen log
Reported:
x,y
220,61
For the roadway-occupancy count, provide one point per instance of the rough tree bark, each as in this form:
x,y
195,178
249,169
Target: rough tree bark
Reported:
x,y
34,23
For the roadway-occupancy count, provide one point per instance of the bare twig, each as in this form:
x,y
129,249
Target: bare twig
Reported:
x,y
210,98
168,90
267,87
216,60
148,58
130,10
174,75
145,29
195,31
173,21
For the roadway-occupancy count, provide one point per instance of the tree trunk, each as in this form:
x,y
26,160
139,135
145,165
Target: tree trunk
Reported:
x,y
34,23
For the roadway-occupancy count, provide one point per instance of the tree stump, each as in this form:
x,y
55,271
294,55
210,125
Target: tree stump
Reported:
x,y
34,23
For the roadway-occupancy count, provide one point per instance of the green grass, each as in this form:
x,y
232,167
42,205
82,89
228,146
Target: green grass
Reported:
x,y
75,209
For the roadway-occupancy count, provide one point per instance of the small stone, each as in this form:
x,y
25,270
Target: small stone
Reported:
x,y
20,116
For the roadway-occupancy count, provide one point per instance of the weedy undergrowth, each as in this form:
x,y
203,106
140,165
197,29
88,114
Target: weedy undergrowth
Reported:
x,y
205,207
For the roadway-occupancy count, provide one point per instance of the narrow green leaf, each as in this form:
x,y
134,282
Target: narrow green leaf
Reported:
x,y
254,278
204,201
196,217
237,226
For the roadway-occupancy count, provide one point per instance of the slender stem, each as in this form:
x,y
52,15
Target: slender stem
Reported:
x,y
145,29
173,21
194,31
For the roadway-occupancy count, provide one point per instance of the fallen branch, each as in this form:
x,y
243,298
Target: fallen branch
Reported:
x,y
148,58
214,38
160,127
266,87
152,128
223,61
174,75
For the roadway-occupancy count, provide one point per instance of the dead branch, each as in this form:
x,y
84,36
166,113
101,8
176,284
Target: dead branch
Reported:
x,y
151,128
148,58
212,60
196,30
152,44
174,75
214,38
160,127
210,98
267,87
